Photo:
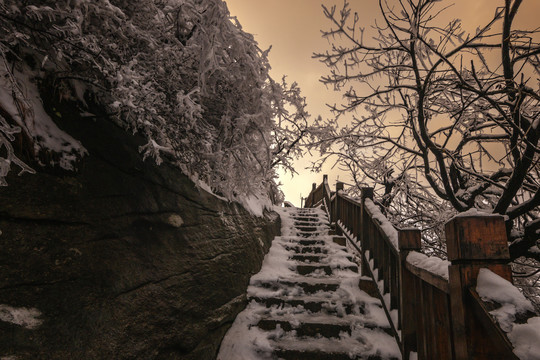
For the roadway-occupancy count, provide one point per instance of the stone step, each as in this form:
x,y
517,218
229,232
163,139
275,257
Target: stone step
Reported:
x,y
327,269
299,249
307,215
320,324
367,285
308,258
308,234
309,269
309,219
322,349
316,258
306,242
311,223
308,229
340,240
286,354
307,210
327,330
313,309
307,285
311,303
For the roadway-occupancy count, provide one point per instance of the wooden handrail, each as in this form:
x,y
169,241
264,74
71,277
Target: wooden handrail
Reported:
x,y
384,234
429,277
440,314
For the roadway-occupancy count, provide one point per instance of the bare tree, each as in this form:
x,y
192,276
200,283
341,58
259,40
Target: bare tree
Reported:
x,y
439,116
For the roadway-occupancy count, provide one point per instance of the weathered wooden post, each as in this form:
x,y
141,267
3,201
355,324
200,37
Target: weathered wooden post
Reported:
x,y
408,240
366,193
473,242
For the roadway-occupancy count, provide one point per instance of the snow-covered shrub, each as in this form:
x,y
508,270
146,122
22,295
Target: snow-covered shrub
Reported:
x,y
182,73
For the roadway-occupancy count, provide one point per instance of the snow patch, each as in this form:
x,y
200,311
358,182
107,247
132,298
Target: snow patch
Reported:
x,y
175,220
432,264
25,317
535,249
255,205
526,339
492,287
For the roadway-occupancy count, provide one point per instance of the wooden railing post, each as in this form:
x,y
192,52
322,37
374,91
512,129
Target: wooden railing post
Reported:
x,y
473,242
336,211
408,240
366,193
326,202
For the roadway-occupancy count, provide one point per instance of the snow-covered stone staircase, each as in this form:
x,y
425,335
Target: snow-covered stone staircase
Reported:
x,y
305,302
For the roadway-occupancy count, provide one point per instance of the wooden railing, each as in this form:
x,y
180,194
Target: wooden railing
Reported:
x,y
431,304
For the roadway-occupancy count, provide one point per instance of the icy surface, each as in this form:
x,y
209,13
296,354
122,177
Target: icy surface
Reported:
x,y
25,317
432,264
278,279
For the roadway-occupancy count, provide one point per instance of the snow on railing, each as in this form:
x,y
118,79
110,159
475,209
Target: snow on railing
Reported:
x,y
432,264
524,337
431,303
386,225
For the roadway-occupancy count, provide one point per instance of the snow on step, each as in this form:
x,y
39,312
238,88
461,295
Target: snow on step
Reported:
x,y
305,302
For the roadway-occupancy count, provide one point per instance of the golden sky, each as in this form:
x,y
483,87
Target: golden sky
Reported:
x,y
293,28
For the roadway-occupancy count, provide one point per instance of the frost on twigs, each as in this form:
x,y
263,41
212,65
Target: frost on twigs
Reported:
x,y
433,117
181,73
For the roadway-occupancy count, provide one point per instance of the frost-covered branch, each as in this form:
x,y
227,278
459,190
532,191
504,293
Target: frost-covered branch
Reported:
x,y
428,101
181,73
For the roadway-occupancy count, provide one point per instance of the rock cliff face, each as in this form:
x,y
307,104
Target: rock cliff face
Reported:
x,y
124,259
